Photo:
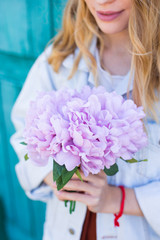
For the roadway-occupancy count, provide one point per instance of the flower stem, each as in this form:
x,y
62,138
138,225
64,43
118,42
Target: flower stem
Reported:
x,y
72,205
65,203
70,210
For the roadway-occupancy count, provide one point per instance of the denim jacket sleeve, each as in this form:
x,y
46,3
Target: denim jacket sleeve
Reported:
x,y
30,176
148,195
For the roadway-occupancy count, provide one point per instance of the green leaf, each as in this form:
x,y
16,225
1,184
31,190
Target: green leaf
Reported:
x,y
59,183
61,175
133,160
67,175
23,143
79,175
112,170
26,157
144,160
57,170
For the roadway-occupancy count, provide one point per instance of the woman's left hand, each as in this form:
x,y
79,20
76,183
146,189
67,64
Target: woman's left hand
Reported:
x,y
94,192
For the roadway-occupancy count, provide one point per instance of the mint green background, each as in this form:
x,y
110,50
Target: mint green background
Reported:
x,y
25,28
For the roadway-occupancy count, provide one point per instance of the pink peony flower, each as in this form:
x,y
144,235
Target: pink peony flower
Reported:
x,y
89,129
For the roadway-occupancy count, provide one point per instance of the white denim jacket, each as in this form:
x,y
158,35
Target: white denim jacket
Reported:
x,y
144,177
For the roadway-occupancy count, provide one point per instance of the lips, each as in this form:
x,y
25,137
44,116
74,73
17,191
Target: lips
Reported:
x,y
108,15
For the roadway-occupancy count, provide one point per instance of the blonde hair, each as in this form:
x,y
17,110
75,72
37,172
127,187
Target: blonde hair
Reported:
x,y
144,31
78,30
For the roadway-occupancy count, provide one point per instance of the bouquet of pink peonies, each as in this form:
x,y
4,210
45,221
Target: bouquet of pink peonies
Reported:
x,y
85,130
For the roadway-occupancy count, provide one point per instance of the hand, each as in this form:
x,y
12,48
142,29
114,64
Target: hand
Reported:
x,y
94,192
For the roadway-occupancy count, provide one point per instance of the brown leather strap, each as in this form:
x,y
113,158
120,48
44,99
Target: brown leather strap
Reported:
x,y
89,227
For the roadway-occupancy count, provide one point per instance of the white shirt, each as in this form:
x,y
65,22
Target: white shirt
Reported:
x,y
144,177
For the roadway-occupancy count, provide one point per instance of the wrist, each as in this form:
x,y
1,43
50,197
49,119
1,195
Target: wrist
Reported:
x,y
120,213
113,199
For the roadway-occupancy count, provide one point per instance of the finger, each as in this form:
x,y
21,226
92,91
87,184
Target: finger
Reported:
x,y
90,177
80,197
77,185
97,181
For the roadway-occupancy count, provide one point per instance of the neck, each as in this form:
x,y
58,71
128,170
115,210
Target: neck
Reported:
x,y
118,43
116,57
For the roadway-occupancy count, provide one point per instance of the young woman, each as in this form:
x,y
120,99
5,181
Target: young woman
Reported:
x,y
114,43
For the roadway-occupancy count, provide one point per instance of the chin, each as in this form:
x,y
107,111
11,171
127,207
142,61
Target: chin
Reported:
x,y
112,29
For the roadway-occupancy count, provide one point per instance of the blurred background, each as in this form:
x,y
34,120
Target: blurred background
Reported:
x,y
26,26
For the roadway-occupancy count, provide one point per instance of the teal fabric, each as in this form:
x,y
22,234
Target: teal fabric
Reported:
x,y
25,28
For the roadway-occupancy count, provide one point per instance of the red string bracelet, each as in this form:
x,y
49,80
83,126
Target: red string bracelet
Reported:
x,y
117,216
